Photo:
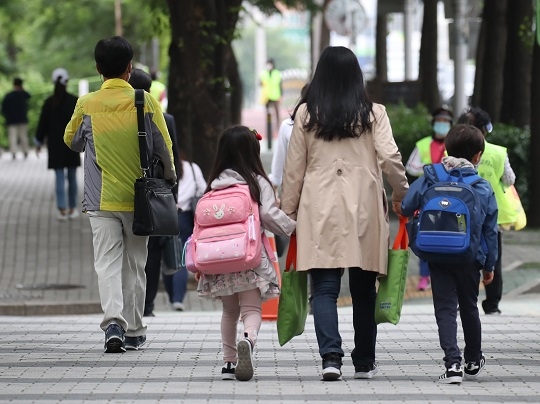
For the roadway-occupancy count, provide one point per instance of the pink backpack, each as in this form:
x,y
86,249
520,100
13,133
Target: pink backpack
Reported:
x,y
227,236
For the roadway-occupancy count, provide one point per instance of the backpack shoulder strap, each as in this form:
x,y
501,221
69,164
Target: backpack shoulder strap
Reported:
x,y
472,179
440,172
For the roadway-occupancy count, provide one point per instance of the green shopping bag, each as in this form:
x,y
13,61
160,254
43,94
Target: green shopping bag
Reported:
x,y
293,302
392,286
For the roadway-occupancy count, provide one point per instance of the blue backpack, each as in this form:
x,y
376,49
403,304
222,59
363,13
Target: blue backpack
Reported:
x,y
448,226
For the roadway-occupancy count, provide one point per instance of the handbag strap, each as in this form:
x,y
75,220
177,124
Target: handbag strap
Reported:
x,y
143,150
402,239
194,179
290,262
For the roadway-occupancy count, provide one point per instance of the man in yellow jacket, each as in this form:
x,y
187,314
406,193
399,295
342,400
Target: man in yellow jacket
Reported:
x,y
495,167
104,126
272,88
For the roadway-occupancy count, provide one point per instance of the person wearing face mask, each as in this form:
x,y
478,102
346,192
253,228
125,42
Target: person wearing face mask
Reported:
x,y
495,167
430,150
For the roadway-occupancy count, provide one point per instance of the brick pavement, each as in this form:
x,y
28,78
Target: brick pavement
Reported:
x,y
60,359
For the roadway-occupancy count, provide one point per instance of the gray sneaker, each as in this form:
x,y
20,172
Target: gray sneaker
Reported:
x,y
114,339
134,343
365,372
244,367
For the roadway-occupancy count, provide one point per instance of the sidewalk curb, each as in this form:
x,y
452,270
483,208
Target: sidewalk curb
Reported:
x,y
49,308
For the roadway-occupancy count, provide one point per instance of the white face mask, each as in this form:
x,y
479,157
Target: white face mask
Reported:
x,y
441,128
269,66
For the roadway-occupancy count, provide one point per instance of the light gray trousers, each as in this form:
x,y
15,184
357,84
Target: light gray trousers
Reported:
x,y
119,261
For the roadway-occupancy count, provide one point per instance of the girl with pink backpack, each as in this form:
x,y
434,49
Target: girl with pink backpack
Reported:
x,y
242,292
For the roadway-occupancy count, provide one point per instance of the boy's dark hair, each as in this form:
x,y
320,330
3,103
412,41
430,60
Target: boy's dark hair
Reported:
x,y
113,55
17,81
140,80
464,141
477,117
239,150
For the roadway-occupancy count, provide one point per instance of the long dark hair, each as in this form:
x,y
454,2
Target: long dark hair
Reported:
x,y
336,98
239,150
60,92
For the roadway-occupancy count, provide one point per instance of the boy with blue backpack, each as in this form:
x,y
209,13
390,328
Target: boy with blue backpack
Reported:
x,y
455,230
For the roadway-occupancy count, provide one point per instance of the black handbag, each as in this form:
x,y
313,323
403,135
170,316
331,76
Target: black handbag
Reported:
x,y
155,212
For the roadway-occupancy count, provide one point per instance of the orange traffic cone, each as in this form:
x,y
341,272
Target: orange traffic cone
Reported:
x,y
270,307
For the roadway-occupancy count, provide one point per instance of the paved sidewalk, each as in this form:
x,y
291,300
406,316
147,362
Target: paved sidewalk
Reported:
x,y
60,359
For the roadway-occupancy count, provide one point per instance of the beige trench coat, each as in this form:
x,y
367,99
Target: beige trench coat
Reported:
x,y
335,192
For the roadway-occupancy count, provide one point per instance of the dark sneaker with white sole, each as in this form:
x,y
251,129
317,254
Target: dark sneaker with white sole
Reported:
x,y
114,339
134,343
227,372
331,366
365,372
453,375
473,369
244,367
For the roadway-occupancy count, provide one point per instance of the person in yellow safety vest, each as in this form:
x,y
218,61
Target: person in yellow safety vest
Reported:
x,y
159,90
495,167
272,88
428,150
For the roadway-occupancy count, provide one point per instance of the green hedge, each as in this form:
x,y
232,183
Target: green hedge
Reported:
x,y
410,125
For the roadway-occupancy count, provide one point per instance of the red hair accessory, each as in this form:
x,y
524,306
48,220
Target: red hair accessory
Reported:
x,y
257,134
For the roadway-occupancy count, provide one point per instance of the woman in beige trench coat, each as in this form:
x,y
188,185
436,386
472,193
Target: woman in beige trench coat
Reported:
x,y
333,186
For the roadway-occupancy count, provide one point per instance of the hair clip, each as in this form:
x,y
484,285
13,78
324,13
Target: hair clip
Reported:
x,y
489,127
257,134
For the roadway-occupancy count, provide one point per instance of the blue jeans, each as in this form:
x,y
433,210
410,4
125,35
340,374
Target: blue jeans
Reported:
x,y
61,187
326,287
176,284
424,268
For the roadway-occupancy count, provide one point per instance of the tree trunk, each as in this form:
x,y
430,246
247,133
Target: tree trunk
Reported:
x,y
381,65
235,91
479,71
533,215
494,56
427,69
200,36
516,100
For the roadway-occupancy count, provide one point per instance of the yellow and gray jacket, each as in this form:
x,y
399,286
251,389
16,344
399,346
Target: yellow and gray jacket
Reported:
x,y
104,126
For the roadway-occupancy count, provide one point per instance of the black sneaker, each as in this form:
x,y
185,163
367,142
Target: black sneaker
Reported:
x,y
473,369
331,366
365,371
453,375
244,367
227,372
114,339
134,343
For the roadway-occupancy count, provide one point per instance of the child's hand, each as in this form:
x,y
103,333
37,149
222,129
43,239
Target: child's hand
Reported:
x,y
396,207
488,277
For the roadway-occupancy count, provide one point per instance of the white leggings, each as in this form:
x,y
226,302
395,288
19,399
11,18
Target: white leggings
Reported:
x,y
246,305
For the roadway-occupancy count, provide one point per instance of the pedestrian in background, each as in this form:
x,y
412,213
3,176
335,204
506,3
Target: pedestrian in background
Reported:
x,y
238,161
15,112
495,167
191,184
430,150
272,88
457,285
333,186
104,126
141,80
55,115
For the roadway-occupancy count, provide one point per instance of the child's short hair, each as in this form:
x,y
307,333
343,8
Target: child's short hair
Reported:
x,y
464,141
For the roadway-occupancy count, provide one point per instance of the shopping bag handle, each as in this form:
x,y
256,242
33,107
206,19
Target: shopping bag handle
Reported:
x,y
290,261
402,240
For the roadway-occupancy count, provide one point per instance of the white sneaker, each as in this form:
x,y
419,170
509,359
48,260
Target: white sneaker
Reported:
x,y
74,214
62,216
178,306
